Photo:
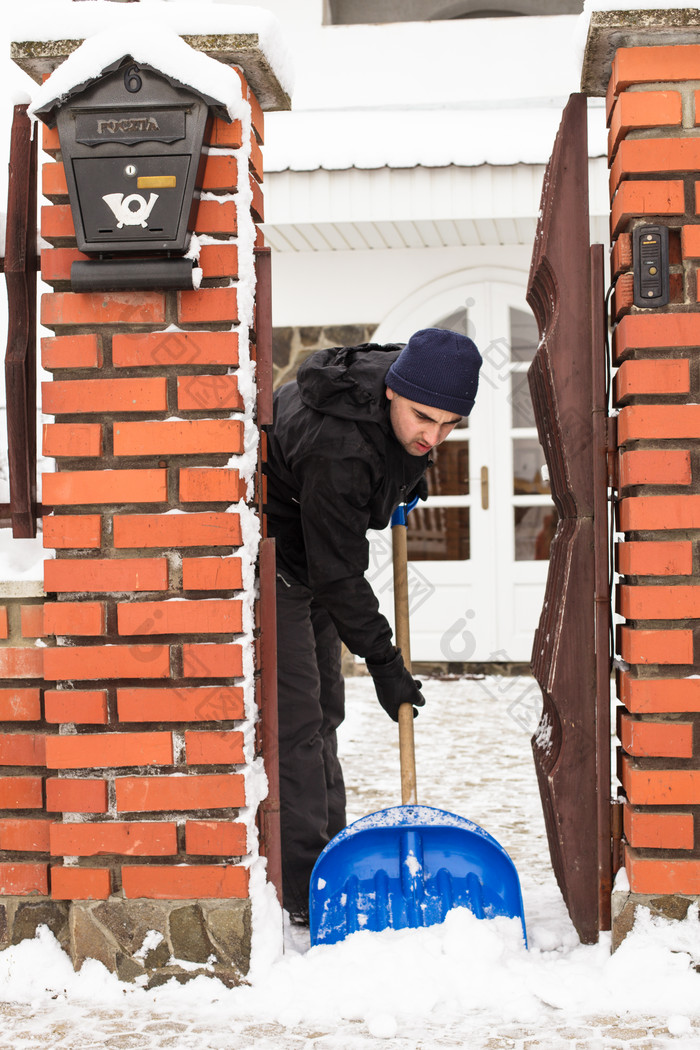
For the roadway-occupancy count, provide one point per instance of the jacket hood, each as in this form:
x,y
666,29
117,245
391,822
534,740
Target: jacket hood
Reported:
x,y
348,382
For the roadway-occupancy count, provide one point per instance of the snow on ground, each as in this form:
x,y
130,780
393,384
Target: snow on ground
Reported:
x,y
466,983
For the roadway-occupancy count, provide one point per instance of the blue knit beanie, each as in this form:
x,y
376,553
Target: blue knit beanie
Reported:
x,y
437,368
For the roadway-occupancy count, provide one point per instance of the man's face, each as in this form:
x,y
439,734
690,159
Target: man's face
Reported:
x,y
419,428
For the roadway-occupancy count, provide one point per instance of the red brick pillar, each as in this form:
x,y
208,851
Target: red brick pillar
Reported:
x,y
151,667
654,153
24,821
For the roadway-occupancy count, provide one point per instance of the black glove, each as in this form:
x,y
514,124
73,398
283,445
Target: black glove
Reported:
x,y
395,686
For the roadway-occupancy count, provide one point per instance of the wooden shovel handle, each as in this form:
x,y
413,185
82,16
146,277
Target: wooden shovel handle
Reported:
x,y
407,751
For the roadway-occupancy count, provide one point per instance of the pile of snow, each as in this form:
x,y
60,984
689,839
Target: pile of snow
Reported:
x,y
464,972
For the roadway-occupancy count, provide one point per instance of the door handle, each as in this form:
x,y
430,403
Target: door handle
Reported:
x,y
484,488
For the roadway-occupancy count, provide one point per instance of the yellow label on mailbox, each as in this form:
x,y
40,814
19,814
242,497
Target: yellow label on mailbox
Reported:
x,y
154,182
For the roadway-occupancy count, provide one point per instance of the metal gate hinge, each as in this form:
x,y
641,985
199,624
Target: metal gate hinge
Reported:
x,y
611,433
611,451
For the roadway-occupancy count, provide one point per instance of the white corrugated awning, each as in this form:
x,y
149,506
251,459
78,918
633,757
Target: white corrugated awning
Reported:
x,y
414,207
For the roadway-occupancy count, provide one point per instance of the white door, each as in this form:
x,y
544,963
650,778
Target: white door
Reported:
x,y
478,548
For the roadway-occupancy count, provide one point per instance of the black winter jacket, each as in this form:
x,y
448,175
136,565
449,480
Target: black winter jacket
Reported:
x,y
335,470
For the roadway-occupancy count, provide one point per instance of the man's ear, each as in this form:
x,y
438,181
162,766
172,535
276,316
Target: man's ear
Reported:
x,y
389,393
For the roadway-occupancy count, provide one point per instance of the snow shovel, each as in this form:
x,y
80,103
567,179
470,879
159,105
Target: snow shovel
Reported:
x,y
409,865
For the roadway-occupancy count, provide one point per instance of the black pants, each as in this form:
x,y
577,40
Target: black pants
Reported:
x,y
311,697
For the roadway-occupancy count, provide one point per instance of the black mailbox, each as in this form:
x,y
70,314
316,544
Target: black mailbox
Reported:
x,y
131,144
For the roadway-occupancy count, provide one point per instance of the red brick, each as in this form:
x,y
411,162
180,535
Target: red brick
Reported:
x,y
656,647
652,377
131,839
655,558
256,159
80,884
207,660
57,223
256,113
22,749
672,876
206,305
98,308
104,395
690,242
24,834
223,133
195,882
677,602
257,202
212,574
177,530
24,662
656,739
72,488
23,879
83,662
50,142
222,838
658,830
201,791
32,621
76,705
56,263
178,437
646,198
648,156
219,260
53,180
202,703
216,217
72,531
21,793
208,393
20,705
660,512
655,467
71,351
220,173
211,485
660,787
85,575
257,117
4,626
161,349
643,109
656,331
72,439
69,795
646,65
111,750
658,696
621,255
77,618
214,748
192,616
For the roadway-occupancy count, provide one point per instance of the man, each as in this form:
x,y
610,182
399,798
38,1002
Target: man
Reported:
x,y
351,440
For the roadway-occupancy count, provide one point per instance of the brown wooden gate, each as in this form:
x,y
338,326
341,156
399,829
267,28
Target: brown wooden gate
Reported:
x,y
571,651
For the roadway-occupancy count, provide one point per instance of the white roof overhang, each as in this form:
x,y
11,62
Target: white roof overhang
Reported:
x,y
414,207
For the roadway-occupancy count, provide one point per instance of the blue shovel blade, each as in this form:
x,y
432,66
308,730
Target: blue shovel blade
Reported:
x,y
406,867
